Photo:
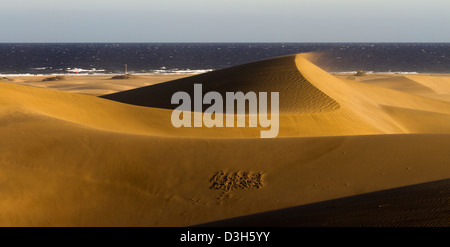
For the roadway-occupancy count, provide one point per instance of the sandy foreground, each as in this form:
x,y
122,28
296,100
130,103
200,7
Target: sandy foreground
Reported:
x,y
352,150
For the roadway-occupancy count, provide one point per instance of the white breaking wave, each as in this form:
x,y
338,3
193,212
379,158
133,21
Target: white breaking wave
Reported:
x,y
71,71
179,71
78,70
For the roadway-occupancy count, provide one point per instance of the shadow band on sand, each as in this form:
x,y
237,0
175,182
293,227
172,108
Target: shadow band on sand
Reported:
x,y
421,205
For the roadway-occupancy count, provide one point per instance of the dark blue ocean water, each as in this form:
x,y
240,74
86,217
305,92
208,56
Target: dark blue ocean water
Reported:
x,y
154,58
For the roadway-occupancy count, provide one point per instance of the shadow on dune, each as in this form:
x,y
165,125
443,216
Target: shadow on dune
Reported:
x,y
426,204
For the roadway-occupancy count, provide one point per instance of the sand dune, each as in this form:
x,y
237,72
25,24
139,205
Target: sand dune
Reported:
x,y
92,84
71,159
273,75
432,86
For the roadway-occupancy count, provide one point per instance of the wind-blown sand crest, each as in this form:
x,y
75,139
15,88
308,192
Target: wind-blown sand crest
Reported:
x,y
69,159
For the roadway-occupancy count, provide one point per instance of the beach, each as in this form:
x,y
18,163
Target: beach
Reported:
x,y
88,150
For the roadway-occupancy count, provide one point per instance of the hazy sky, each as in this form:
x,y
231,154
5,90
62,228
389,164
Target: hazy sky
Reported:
x,y
225,21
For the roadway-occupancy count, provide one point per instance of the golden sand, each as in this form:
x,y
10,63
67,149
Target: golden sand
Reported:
x,y
70,158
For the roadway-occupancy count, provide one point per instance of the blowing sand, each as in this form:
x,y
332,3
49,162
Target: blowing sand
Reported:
x,y
70,158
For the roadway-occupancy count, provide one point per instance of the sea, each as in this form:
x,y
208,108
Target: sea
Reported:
x,y
19,59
